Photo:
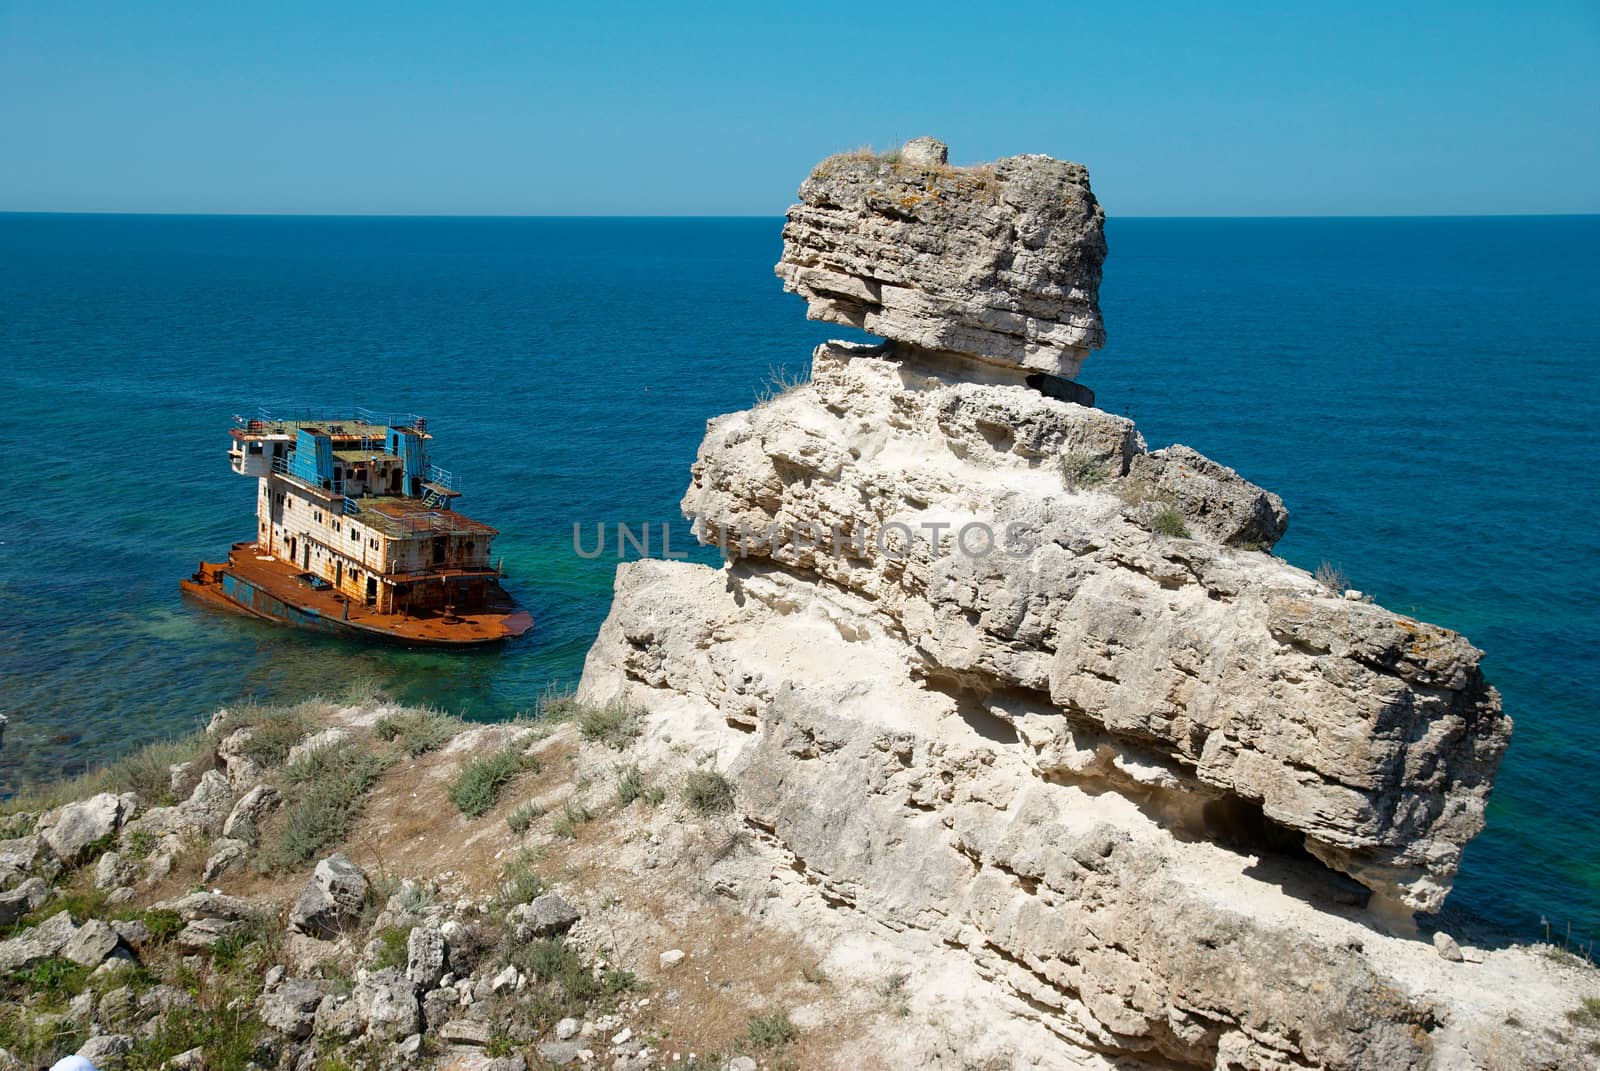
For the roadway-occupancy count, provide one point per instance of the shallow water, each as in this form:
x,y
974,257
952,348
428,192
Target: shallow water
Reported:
x,y
1421,392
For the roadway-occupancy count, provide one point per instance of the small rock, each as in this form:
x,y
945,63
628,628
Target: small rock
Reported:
x,y
133,932
466,1032
387,1003
94,941
190,1060
224,854
410,1048
1447,948
205,933
275,975
114,870
326,738
291,1008
211,905
17,902
548,914
208,805
506,979
244,821
332,898
925,152
77,826
562,1053
567,1029
671,958
337,1018
438,1005
740,1063
425,957
241,770
622,1037
41,942
181,778
106,1047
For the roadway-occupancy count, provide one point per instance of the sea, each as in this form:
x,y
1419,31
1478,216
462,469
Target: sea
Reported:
x,y
1421,391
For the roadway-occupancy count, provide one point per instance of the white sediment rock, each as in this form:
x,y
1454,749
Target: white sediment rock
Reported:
x,y
1105,752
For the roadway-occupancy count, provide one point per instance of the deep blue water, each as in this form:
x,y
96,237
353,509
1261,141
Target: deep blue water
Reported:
x,y
1420,391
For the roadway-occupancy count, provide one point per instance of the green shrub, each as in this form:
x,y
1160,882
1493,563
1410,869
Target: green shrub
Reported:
x,y
1586,1014
564,982
573,815
273,736
1169,522
773,1030
55,979
708,792
393,947
477,786
418,731
522,819
520,883
38,1040
1081,471
163,925
613,724
330,786
630,784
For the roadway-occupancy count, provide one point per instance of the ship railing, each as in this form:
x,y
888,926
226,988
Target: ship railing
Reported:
x,y
424,521
440,478
266,418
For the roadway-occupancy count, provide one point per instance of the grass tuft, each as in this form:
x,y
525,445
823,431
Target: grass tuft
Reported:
x,y
1081,471
773,1030
522,819
1332,577
707,792
779,382
330,785
613,724
520,883
417,731
1586,1014
477,787
1169,522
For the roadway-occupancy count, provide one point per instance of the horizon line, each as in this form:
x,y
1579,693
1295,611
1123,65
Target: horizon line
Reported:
x,y
752,215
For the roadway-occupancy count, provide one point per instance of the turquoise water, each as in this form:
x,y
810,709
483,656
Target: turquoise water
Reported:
x,y
1421,392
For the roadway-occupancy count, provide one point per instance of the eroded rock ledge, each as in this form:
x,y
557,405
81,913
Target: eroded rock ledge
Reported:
x,y
1235,674
999,263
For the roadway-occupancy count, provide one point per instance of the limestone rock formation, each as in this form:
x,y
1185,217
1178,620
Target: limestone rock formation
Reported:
x,y
999,263
983,665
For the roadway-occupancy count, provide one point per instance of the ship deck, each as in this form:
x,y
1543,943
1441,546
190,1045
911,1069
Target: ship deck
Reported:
x,y
330,611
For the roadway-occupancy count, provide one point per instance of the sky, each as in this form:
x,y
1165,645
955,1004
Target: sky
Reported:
x,y
1181,109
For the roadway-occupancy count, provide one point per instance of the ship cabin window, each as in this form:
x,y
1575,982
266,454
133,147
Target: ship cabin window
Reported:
x,y
354,535
316,515
254,448
373,542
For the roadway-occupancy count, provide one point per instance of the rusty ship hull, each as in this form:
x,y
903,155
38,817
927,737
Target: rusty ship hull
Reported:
x,y
265,588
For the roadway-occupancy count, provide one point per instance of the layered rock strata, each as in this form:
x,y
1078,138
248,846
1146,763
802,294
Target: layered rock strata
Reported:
x,y
999,263
1012,678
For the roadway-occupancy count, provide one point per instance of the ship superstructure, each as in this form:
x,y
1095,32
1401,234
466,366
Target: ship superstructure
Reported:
x,y
357,533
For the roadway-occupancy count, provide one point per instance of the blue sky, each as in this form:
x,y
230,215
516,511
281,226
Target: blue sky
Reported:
x,y
1177,109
